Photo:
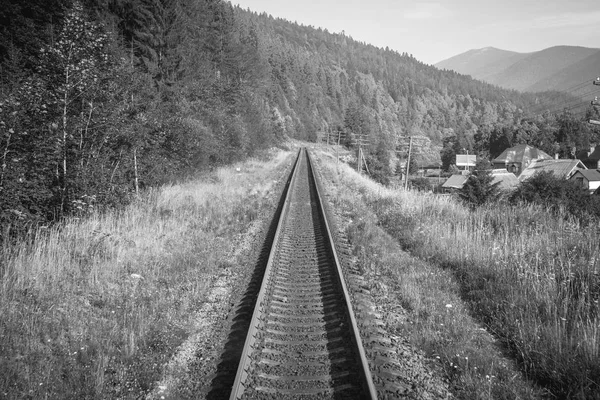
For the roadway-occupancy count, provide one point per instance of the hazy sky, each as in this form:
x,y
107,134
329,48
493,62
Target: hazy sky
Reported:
x,y
433,31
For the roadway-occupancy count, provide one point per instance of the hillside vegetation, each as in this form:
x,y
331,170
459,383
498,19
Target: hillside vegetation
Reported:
x,y
528,275
101,99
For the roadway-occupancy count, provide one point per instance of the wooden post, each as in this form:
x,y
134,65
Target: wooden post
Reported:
x,y
337,148
135,170
408,163
366,166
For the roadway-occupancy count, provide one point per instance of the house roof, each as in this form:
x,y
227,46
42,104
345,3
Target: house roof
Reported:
x,y
455,181
560,168
589,174
506,180
466,160
519,152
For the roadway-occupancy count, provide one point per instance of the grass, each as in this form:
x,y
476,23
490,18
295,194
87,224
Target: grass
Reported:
x,y
94,307
528,277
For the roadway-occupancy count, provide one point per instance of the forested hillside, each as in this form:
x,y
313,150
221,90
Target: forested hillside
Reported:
x,y
100,98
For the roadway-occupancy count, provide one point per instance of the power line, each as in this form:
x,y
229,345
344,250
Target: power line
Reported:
x,y
572,91
579,103
595,103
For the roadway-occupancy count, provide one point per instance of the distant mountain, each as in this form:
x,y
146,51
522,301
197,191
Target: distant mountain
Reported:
x,y
554,68
482,63
572,76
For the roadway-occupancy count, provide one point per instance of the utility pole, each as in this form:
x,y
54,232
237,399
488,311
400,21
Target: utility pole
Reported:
x,y
595,103
360,141
414,143
410,143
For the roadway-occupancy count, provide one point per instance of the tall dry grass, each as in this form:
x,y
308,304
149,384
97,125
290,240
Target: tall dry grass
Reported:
x,y
531,277
93,307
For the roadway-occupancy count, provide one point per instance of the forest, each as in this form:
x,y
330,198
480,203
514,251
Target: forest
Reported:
x,y
100,99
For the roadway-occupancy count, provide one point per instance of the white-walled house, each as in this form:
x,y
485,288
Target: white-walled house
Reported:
x,y
587,178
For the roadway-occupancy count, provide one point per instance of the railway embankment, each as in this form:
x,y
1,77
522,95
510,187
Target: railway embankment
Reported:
x,y
124,304
502,300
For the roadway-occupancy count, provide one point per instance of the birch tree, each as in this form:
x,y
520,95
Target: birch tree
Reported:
x,y
73,67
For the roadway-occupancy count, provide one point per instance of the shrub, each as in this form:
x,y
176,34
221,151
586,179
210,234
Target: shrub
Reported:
x,y
558,194
422,184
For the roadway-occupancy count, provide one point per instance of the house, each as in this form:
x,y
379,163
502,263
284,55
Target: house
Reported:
x,y
563,169
454,183
466,161
507,181
587,178
433,169
517,158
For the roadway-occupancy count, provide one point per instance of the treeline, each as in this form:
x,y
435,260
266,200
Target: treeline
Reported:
x,y
563,133
322,81
100,98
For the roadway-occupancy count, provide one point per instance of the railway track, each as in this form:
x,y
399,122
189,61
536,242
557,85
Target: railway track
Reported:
x,y
303,341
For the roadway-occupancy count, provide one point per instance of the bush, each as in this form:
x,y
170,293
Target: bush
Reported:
x,y
421,184
558,194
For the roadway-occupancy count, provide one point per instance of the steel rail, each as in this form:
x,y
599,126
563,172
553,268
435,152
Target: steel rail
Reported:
x,y
258,316
242,371
368,385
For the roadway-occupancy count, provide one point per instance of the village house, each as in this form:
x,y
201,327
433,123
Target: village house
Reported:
x,y
519,157
507,181
454,183
587,178
562,169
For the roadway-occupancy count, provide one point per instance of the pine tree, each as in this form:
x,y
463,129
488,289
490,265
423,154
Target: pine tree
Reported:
x,y
479,189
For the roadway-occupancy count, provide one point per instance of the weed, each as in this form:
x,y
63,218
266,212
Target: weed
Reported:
x,y
528,276
94,307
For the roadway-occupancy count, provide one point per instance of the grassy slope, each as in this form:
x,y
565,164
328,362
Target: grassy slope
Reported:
x,y
96,306
528,278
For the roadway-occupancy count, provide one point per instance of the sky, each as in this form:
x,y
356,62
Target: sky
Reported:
x,y
434,31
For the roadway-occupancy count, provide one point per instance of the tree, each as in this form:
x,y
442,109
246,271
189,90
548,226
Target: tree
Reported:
x,y
74,67
479,188
379,164
356,123
413,167
453,145
559,195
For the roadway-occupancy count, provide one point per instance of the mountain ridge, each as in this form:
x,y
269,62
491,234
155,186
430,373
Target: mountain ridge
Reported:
x,y
554,68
